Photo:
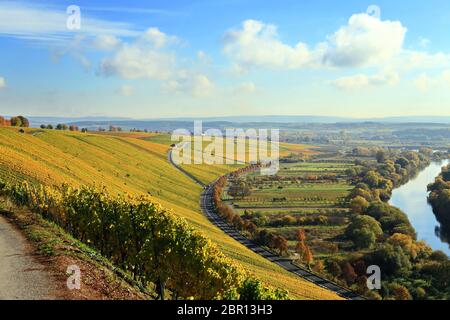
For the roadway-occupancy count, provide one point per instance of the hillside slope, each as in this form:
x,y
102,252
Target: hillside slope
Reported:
x,y
127,164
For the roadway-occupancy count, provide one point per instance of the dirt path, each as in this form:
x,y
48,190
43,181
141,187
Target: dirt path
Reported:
x,y
22,277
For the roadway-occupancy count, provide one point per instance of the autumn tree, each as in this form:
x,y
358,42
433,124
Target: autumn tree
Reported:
x,y
239,189
319,266
359,204
281,244
16,122
24,122
349,273
401,293
303,249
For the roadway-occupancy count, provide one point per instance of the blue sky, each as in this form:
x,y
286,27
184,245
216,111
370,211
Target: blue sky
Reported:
x,y
225,57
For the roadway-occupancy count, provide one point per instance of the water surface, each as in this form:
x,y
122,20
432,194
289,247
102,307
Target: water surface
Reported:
x,y
411,198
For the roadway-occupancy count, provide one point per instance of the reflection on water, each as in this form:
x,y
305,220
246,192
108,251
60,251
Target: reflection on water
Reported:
x,y
412,199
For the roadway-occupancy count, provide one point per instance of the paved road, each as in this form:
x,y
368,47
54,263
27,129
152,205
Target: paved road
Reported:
x,y
208,209
21,276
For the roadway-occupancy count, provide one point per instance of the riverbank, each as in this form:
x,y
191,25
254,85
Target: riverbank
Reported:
x,y
411,198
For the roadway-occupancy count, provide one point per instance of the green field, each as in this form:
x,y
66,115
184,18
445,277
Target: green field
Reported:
x,y
296,198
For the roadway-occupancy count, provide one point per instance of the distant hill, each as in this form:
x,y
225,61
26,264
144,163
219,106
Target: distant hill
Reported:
x,y
38,120
169,124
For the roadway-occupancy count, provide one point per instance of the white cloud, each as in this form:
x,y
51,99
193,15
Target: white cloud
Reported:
x,y
126,90
425,82
201,86
410,60
257,44
361,81
106,42
245,88
157,38
203,58
194,84
148,57
424,42
144,58
2,82
364,41
41,23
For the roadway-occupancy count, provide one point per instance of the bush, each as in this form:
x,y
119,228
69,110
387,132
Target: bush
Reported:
x,y
253,289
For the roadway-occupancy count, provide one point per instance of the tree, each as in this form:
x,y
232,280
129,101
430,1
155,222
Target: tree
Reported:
x,y
281,244
364,231
333,268
401,293
359,204
43,126
73,127
391,259
349,273
239,189
403,162
407,243
303,249
61,126
50,127
372,179
24,122
381,156
301,235
319,266
16,122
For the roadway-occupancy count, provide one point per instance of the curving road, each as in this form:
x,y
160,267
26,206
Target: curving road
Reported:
x,y
208,209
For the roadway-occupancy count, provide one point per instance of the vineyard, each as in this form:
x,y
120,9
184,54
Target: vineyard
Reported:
x,y
143,239
127,164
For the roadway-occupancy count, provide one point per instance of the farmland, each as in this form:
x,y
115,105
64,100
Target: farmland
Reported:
x,y
309,195
129,164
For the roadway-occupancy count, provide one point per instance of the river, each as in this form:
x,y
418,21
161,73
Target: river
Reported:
x,y
411,198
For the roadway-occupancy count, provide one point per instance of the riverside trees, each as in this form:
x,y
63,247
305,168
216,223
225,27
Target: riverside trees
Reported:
x,y
440,198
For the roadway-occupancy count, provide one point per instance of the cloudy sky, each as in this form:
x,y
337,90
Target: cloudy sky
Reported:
x,y
225,57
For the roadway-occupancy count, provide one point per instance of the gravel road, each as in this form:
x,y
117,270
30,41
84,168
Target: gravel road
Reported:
x,y
22,277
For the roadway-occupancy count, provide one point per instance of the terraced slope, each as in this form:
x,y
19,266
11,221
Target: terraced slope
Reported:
x,y
127,164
